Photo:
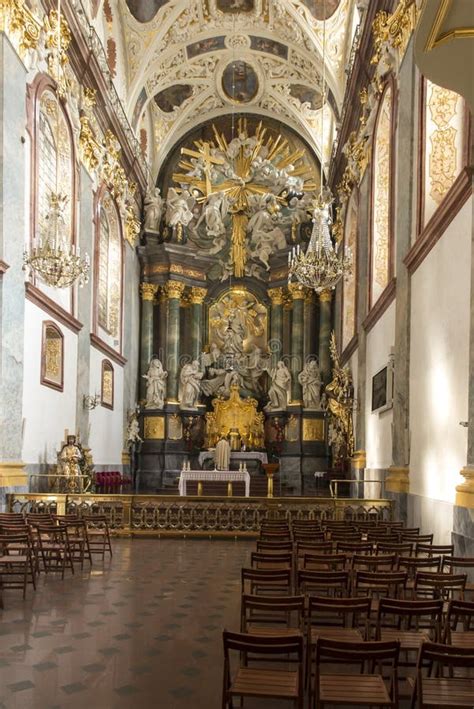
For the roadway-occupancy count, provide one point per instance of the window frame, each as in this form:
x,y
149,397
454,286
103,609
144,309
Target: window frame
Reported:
x,y
51,325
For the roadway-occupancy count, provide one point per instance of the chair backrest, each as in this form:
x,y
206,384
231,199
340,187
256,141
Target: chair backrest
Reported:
x,y
346,536
303,548
354,547
319,583
457,562
310,536
459,612
409,614
287,611
403,536
270,579
328,562
277,547
276,536
439,585
286,646
346,612
398,548
423,549
445,657
310,525
413,563
375,562
380,583
258,560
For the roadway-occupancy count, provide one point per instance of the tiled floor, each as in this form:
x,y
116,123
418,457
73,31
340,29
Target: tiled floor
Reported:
x,y
144,630
141,631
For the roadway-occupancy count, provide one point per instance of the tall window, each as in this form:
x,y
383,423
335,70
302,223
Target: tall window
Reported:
x,y
54,156
381,196
349,284
109,268
443,138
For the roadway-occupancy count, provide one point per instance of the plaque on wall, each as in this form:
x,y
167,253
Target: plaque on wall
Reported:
x,y
313,429
154,428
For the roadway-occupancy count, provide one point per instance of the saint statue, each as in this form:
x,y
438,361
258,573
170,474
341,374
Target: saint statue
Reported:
x,y
280,388
214,214
310,380
234,337
70,457
189,388
156,384
132,434
153,205
179,208
222,455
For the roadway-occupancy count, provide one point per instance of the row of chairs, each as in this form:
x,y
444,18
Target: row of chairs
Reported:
x,y
349,609
50,543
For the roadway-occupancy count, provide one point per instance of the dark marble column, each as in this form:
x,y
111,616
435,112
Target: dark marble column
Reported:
x,y
174,291
197,299
148,292
276,324
298,293
325,298
309,329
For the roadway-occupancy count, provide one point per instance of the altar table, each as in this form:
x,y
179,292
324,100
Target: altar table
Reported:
x,y
228,476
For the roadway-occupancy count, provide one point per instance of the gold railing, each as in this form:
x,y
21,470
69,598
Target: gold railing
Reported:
x,y
54,483
204,516
334,486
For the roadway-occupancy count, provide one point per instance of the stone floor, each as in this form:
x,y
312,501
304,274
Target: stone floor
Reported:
x,y
143,630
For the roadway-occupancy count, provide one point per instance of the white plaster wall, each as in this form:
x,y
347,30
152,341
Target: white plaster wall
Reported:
x,y
46,412
439,362
378,426
106,425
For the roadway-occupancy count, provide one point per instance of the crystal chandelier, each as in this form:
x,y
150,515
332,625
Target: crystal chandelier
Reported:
x,y
52,256
321,267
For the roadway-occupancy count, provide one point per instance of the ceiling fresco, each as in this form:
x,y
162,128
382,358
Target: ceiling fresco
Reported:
x,y
144,10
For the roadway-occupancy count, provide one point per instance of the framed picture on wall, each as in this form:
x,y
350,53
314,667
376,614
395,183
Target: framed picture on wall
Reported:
x,y
382,389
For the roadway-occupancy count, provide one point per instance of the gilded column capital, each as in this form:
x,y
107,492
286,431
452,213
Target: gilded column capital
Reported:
x,y
197,295
148,291
276,295
309,297
174,289
465,491
297,291
326,295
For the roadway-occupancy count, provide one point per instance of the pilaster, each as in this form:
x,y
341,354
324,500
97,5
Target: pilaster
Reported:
x,y
325,299
174,290
197,296
148,292
298,294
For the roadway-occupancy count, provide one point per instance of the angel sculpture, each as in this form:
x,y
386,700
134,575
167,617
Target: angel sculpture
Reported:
x,y
214,214
179,208
280,388
153,205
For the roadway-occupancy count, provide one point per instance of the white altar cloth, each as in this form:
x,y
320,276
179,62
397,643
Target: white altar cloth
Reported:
x,y
214,475
236,455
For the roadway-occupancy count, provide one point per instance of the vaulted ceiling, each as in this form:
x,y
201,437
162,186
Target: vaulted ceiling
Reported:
x,y
189,61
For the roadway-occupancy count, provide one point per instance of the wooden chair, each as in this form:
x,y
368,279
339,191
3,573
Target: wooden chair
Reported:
x,y
98,534
413,564
460,613
442,691
379,584
16,562
437,585
308,536
274,582
78,539
365,687
354,548
404,536
451,563
275,536
344,619
303,548
272,615
54,548
310,525
423,549
375,562
347,537
262,682
262,560
410,623
322,583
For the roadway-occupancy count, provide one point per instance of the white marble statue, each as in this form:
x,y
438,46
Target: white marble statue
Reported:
x,y
267,236
156,384
310,380
280,388
153,205
132,434
190,388
214,214
179,207
233,337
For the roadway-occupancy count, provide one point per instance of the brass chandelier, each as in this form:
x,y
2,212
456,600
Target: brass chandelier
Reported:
x,y
321,267
52,257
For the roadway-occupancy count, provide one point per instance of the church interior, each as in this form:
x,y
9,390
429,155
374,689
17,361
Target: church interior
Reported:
x,y
236,277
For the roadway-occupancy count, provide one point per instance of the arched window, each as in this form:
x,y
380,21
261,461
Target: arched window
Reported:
x,y
442,146
107,385
109,270
349,292
55,170
52,356
381,227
